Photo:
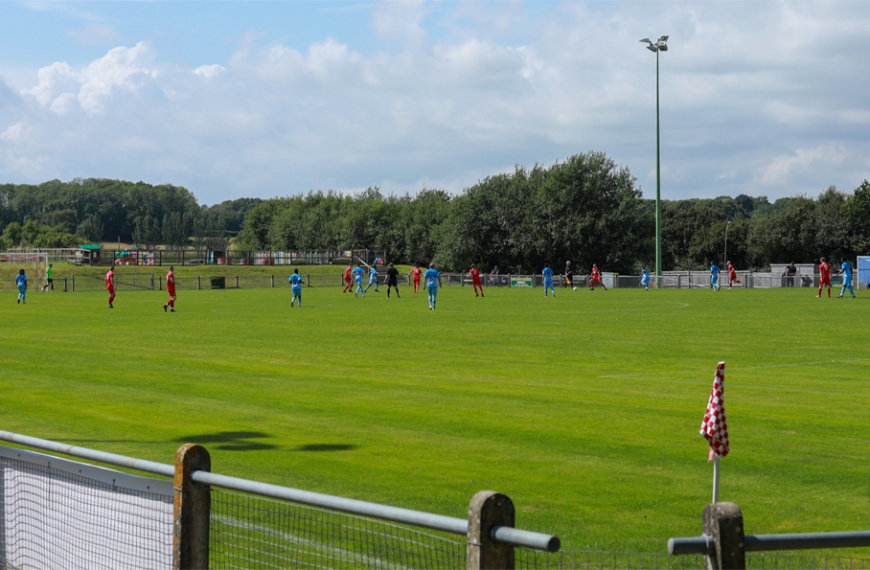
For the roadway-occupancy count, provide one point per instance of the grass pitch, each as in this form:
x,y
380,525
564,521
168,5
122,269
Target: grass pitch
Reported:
x,y
584,408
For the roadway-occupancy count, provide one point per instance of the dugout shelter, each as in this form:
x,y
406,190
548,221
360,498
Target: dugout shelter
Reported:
x,y
88,254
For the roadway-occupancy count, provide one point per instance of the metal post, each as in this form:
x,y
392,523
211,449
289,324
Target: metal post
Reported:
x,y
658,185
723,522
486,511
725,260
192,509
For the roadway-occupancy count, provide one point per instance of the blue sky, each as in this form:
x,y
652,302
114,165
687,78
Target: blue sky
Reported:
x,y
262,99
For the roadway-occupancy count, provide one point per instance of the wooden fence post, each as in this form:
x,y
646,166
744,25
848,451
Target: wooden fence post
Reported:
x,y
724,523
192,509
486,510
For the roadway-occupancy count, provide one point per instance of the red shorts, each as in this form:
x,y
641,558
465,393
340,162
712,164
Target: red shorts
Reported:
x,y
171,291
825,281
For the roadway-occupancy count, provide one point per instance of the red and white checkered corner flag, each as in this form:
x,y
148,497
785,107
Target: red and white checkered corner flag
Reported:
x,y
715,427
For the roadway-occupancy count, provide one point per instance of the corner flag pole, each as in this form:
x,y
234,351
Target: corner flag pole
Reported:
x,y
714,427
716,479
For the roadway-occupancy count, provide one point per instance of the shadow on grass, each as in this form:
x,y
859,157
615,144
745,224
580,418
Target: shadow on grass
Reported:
x,y
230,440
325,447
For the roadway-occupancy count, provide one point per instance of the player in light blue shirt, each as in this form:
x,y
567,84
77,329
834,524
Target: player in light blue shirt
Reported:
x,y
373,278
357,278
846,272
644,279
21,281
548,280
714,277
432,279
296,287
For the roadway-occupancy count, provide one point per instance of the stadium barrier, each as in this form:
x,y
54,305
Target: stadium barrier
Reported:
x,y
724,544
65,514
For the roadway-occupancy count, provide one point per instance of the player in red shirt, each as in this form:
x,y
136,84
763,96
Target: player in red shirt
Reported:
x,y
416,273
170,288
475,279
595,278
824,277
348,281
732,275
110,285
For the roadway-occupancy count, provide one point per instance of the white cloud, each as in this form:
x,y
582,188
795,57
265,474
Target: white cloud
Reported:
x,y
783,168
14,132
120,69
209,71
756,98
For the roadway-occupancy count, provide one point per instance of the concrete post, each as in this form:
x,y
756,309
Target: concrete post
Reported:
x,y
486,510
192,509
723,522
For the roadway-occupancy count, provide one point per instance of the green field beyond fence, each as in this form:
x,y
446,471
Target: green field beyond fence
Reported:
x,y
584,408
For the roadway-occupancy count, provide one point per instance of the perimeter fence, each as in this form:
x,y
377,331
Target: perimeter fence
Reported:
x,y
686,280
58,513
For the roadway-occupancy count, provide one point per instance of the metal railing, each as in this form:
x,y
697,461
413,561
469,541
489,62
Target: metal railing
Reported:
x,y
724,544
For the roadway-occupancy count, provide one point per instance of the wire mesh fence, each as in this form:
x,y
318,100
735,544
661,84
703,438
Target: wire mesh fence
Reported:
x,y
249,531
60,514
570,559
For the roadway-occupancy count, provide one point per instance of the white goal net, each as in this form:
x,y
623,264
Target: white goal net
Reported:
x,y
33,264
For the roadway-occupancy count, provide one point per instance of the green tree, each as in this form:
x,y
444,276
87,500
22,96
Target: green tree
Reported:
x,y
91,228
12,235
856,213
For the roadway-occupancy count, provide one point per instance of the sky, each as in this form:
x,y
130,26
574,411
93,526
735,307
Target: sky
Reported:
x,y
261,99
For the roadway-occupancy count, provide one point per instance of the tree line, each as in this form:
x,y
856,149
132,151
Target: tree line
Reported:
x,y
586,209
59,214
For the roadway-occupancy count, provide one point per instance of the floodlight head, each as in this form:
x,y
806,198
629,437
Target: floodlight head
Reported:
x,y
652,48
662,43
647,40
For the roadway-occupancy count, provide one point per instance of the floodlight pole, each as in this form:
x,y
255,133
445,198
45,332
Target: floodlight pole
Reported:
x,y
726,242
658,182
660,45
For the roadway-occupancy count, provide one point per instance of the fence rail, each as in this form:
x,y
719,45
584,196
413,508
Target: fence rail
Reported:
x,y
724,544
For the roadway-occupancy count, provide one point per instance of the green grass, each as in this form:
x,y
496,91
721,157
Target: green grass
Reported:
x,y
584,409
